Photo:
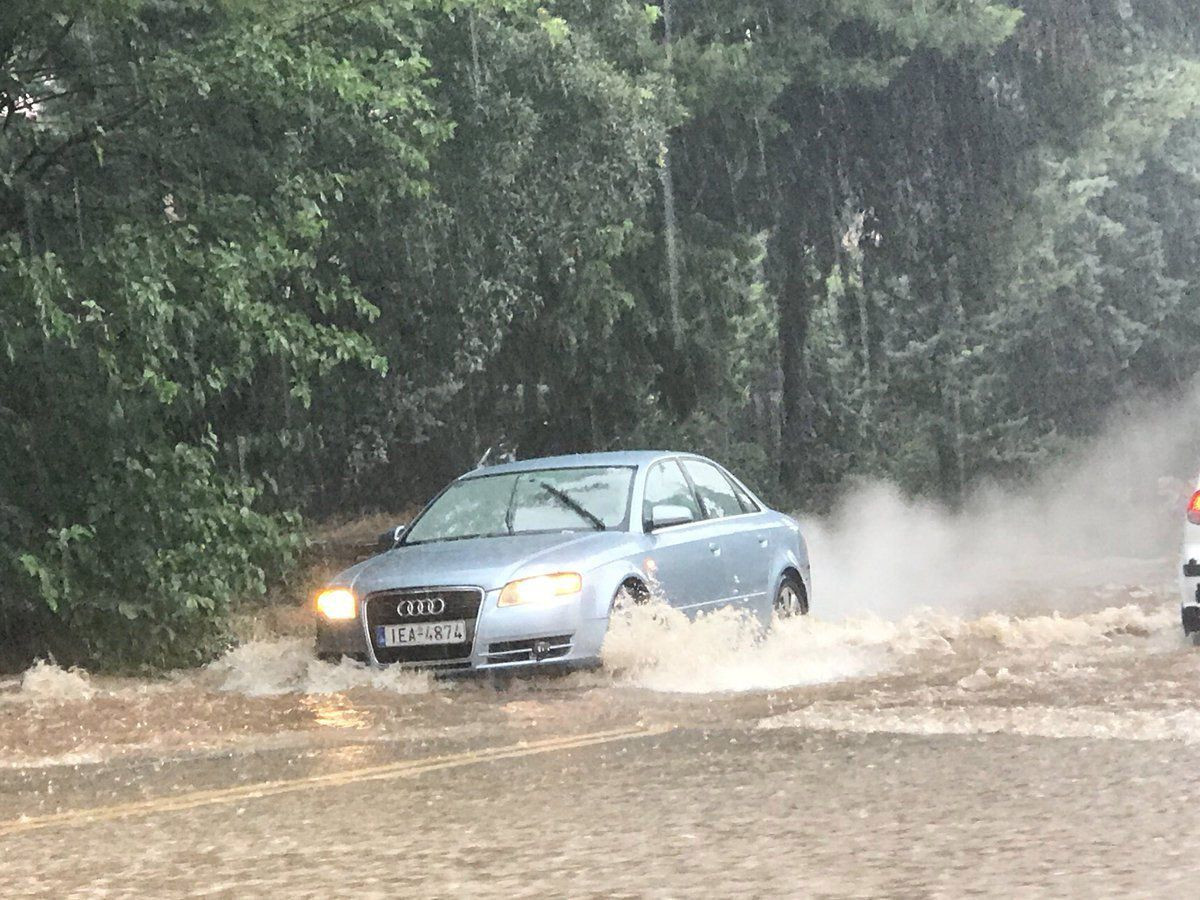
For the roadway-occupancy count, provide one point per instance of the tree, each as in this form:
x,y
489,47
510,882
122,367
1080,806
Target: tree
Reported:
x,y
168,179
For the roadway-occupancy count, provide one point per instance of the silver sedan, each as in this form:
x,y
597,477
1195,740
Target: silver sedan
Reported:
x,y
522,564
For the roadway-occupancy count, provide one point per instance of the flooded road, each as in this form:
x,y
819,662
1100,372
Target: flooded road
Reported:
x,y
927,754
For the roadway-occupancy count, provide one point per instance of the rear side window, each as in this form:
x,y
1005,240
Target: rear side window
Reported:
x,y
748,505
716,493
665,485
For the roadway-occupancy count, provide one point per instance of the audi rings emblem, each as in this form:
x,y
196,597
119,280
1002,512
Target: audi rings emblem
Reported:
x,y
428,606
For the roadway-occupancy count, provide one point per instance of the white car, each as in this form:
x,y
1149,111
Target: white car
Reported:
x,y
1189,579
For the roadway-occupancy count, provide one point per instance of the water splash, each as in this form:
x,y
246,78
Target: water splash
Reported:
x,y
289,666
1109,514
659,648
45,682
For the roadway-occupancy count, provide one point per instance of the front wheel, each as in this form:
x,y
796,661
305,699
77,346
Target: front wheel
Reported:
x,y
791,600
631,593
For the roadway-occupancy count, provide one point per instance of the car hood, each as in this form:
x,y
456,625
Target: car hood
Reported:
x,y
484,562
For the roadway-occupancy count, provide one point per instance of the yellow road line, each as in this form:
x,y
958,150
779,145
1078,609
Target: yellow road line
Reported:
x,y
406,769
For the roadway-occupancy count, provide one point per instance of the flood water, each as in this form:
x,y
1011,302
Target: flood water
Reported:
x,y
1030,752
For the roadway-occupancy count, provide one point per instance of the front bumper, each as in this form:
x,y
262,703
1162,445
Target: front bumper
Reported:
x,y
564,632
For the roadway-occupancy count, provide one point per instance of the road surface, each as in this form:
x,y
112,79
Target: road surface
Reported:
x,y
997,756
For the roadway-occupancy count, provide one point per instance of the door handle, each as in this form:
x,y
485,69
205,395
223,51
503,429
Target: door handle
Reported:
x,y
715,548
762,542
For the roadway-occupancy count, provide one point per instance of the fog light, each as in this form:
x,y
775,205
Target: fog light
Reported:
x,y
336,603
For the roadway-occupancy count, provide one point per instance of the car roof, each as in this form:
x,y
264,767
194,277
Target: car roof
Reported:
x,y
577,460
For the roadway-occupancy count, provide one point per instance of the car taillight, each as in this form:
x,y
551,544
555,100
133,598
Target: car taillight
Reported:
x,y
1194,509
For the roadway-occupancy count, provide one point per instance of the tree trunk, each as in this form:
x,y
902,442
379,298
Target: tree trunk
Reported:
x,y
670,223
801,256
794,305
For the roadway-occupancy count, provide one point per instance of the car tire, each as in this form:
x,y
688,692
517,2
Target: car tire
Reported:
x,y
791,599
1191,624
631,593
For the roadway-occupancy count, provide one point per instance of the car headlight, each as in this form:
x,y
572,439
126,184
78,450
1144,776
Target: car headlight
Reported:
x,y
336,603
540,588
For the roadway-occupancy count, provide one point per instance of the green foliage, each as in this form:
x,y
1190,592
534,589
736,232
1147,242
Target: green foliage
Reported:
x,y
171,180
270,255
496,286
968,241
170,543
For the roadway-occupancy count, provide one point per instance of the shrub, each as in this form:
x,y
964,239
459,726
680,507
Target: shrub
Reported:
x,y
166,543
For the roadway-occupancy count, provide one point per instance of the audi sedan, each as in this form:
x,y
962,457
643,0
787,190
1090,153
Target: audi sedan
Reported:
x,y
524,563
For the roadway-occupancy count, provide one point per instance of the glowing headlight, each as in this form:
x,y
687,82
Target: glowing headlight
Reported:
x,y
336,603
540,588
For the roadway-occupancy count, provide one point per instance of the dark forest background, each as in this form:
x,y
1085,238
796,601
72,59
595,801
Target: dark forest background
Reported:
x,y
270,259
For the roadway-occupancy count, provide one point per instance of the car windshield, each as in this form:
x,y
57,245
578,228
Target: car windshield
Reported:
x,y
577,499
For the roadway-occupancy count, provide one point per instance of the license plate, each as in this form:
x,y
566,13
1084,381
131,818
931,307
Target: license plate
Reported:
x,y
421,633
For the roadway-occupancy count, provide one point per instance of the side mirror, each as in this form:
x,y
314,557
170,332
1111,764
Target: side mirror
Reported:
x,y
664,515
390,538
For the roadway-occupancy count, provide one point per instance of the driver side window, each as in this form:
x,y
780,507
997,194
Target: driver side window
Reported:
x,y
716,493
666,486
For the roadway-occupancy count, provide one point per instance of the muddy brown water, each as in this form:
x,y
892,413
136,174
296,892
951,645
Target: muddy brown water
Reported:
x,y
930,755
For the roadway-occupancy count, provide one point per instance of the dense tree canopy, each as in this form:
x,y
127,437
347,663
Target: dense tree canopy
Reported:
x,y
262,258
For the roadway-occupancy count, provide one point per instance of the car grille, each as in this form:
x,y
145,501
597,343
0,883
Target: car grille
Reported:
x,y
527,650
461,603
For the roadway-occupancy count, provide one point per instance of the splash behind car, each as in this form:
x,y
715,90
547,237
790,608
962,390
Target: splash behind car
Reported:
x,y
522,564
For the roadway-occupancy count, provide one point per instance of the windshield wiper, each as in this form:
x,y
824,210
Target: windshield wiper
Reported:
x,y
453,537
511,511
572,504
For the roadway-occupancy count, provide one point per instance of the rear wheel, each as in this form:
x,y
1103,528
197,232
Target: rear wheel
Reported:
x,y
791,600
1191,624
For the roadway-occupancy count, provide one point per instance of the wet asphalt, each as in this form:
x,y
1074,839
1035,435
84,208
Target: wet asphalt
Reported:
x,y
639,809
1045,756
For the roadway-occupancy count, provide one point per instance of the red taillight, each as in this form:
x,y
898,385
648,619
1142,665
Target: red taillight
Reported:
x,y
1194,509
